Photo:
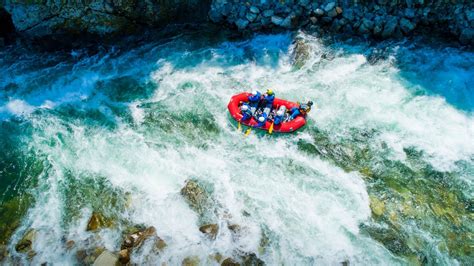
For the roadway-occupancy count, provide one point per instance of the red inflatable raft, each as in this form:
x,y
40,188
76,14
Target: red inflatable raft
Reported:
x,y
289,126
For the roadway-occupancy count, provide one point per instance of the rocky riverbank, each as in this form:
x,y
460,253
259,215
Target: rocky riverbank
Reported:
x,y
101,20
380,19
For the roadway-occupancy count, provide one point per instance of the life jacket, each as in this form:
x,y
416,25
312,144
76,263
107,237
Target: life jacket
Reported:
x,y
269,99
255,98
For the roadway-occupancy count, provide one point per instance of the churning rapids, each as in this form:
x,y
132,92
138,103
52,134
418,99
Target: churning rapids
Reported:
x,y
382,173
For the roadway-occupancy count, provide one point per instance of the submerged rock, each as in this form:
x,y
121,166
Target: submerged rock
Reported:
x,y
106,258
137,238
301,53
196,196
210,229
97,221
377,206
229,262
191,261
25,244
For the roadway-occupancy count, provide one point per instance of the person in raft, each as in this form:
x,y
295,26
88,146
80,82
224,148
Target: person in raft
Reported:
x,y
246,113
303,109
267,104
254,101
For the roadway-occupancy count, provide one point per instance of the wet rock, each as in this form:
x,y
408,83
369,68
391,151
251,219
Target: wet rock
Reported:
x,y
467,36
268,13
389,27
252,260
124,256
190,261
195,196
332,13
319,12
235,228
242,23
377,206
106,258
366,26
25,244
70,244
406,25
97,221
254,9
210,229
229,262
313,20
251,16
136,239
329,6
301,53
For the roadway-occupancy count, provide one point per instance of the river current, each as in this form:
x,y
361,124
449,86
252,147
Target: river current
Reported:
x,y
381,174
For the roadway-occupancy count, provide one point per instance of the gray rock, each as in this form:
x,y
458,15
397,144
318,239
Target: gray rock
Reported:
x,y
242,23
303,2
332,13
268,13
410,13
467,36
348,14
319,12
288,22
406,25
330,6
210,230
389,27
106,259
254,9
313,20
251,16
470,15
25,244
366,26
277,20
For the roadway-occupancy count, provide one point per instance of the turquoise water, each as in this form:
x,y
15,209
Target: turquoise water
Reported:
x,y
382,173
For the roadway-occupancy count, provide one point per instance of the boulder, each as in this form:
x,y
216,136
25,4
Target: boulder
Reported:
x,y
268,13
251,16
301,53
467,36
409,13
242,23
252,260
389,27
191,261
70,244
332,13
194,194
136,239
124,256
229,262
406,25
97,221
470,15
303,3
319,12
25,244
106,258
210,230
330,6
339,10
254,9
366,26
313,20
277,20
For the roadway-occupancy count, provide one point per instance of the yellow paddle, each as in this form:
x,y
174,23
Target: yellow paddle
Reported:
x,y
270,130
239,126
248,131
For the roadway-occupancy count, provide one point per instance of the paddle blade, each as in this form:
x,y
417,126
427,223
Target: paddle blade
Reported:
x,y
248,131
270,130
239,126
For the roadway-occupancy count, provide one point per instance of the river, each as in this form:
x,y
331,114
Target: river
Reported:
x,y
381,174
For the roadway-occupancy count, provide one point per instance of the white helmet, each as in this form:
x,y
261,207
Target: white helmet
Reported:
x,y
280,113
261,119
244,107
254,92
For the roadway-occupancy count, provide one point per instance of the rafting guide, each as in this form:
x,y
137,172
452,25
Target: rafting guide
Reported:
x,y
266,112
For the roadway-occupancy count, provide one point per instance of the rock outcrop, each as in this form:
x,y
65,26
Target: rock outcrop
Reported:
x,y
40,18
378,19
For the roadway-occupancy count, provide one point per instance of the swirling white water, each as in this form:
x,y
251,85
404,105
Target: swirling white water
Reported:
x,y
140,122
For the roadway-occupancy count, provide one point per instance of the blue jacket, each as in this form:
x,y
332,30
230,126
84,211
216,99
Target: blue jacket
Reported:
x,y
278,119
269,100
295,111
261,124
255,98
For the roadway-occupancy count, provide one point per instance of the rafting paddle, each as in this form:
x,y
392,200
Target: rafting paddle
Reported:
x,y
270,130
248,131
